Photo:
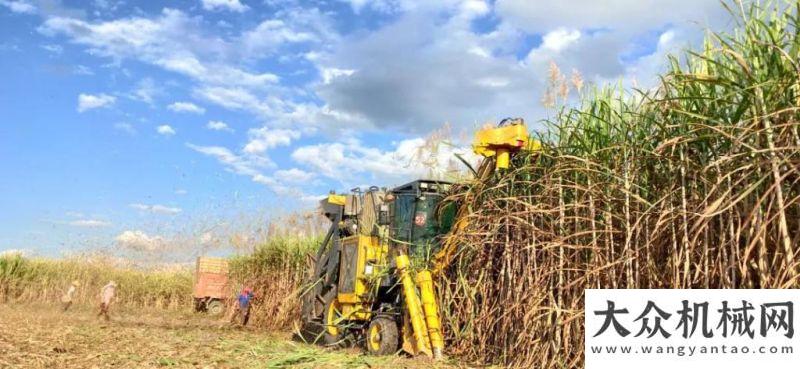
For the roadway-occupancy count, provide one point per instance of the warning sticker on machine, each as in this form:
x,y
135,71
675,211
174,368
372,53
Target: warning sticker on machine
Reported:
x,y
420,218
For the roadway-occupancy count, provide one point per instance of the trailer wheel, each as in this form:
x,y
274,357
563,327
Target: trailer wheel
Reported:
x,y
199,305
335,331
382,336
215,307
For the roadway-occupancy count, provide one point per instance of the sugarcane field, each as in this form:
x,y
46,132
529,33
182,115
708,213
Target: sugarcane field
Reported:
x,y
399,184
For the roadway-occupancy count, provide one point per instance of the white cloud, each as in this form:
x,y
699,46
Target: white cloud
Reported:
x,y
349,162
231,5
82,70
452,65
125,127
559,39
186,107
247,165
244,165
478,76
263,139
272,33
146,91
139,241
19,6
329,74
293,175
89,102
624,15
55,49
157,209
216,125
165,130
222,66
238,99
173,41
181,192
89,223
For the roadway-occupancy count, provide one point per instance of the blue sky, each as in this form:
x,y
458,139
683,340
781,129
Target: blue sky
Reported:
x,y
129,124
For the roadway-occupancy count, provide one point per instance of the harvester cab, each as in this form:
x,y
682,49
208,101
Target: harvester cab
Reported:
x,y
372,277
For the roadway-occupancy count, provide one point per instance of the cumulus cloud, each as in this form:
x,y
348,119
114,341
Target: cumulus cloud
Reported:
x,y
250,165
353,161
625,15
173,41
157,209
186,107
146,91
137,240
89,102
240,164
216,125
467,77
82,70
230,5
89,223
165,130
55,49
559,39
293,175
290,26
263,139
19,6
236,98
272,33
455,70
454,75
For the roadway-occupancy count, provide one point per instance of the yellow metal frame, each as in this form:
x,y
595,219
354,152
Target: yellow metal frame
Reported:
x,y
414,309
337,199
356,305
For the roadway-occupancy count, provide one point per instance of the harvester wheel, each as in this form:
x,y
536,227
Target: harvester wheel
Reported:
x,y
335,332
382,336
215,307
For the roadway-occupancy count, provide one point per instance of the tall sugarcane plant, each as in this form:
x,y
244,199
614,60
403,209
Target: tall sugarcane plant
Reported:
x,y
691,184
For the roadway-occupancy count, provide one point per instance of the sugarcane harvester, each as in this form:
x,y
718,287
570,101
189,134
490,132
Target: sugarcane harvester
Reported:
x,y
373,274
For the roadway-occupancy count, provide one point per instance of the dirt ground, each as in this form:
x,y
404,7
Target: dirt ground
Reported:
x,y
37,336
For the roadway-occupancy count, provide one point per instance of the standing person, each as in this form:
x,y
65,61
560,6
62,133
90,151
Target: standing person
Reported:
x,y
243,303
67,298
107,295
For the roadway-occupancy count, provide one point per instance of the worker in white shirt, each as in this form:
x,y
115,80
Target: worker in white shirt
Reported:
x,y
107,295
70,295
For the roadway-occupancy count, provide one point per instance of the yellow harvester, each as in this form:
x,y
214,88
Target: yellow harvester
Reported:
x,y
372,277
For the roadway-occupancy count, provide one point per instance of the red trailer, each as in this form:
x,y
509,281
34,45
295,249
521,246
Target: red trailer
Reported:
x,y
211,285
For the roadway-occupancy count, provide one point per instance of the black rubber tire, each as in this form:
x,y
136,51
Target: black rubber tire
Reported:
x,y
313,327
215,308
383,337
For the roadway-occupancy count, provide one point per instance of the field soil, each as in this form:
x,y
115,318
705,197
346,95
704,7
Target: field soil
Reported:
x,y
41,336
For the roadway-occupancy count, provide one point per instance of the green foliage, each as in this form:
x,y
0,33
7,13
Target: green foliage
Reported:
x,y
284,253
42,279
